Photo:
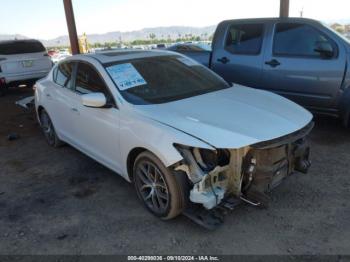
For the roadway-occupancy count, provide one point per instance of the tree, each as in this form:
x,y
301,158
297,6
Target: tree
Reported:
x,y
206,36
152,36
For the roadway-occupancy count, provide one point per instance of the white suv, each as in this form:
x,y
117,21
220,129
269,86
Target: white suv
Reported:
x,y
22,62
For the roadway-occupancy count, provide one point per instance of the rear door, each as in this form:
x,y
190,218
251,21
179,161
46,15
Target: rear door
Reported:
x,y
294,69
61,100
20,57
239,57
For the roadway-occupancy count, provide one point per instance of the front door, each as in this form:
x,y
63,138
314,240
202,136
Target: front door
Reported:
x,y
97,129
295,68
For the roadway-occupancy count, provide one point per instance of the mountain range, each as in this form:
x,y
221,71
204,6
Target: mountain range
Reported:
x,y
171,32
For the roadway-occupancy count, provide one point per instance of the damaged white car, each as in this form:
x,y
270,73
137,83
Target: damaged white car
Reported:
x,y
188,141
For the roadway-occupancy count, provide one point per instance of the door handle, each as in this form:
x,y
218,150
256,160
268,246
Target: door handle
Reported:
x,y
224,60
273,63
48,96
74,110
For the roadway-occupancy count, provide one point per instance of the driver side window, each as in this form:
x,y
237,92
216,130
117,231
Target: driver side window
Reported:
x,y
295,39
89,81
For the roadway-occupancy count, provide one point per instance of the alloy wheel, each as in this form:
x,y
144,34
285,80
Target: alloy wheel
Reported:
x,y
151,186
48,129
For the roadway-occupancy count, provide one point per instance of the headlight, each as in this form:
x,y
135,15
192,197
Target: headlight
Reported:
x,y
207,159
211,158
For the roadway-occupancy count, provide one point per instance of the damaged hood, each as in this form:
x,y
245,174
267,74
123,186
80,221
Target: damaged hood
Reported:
x,y
231,118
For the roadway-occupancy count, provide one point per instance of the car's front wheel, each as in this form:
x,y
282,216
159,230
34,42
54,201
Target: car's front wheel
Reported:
x,y
49,130
157,187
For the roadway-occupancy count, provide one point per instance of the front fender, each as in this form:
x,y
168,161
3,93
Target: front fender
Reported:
x,y
344,106
140,132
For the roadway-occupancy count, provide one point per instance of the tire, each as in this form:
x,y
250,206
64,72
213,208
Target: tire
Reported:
x,y
346,120
49,130
157,187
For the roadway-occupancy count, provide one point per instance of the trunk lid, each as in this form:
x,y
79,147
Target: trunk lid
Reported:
x,y
23,56
22,63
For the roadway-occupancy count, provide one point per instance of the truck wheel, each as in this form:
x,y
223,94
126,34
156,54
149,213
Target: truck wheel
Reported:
x,y
49,130
346,120
157,187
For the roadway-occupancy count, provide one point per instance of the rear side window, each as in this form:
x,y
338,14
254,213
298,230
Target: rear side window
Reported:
x,y
21,47
245,39
89,81
63,75
293,39
192,48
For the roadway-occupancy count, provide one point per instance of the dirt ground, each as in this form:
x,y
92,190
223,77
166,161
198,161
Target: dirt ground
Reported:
x,y
59,201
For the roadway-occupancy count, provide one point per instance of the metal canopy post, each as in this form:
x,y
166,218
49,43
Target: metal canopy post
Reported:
x,y
284,8
72,30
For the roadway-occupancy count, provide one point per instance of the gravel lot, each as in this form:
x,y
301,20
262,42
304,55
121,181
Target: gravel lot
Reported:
x,y
58,201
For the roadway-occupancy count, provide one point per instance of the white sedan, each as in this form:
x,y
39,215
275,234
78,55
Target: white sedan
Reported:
x,y
185,138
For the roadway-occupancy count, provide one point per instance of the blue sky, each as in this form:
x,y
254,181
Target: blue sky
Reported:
x,y
44,19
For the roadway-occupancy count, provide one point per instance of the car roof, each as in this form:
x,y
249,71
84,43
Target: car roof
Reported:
x,y
13,41
273,19
121,55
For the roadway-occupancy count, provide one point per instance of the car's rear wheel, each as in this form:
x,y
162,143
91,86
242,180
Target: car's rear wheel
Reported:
x,y
49,130
157,187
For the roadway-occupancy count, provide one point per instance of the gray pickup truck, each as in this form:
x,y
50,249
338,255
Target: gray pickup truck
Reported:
x,y
301,59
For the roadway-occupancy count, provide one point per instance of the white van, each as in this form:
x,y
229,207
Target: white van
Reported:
x,y
22,62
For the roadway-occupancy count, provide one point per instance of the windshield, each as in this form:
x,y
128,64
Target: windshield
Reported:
x,y
20,47
162,79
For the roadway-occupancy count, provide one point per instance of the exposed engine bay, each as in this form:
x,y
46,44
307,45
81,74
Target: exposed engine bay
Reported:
x,y
247,173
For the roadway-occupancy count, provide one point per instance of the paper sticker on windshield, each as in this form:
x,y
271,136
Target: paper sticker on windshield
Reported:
x,y
187,61
126,76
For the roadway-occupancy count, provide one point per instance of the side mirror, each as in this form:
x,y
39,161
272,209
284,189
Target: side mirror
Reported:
x,y
325,49
97,100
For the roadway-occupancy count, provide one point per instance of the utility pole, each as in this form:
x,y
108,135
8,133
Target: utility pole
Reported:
x,y
72,30
284,8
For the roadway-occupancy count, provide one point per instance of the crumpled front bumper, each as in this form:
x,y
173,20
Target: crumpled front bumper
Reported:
x,y
275,160
250,172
